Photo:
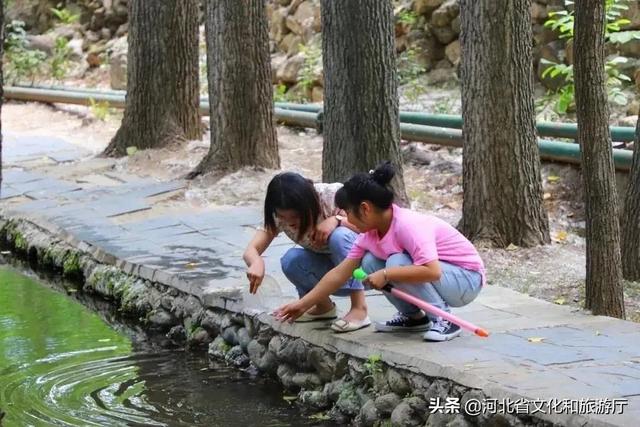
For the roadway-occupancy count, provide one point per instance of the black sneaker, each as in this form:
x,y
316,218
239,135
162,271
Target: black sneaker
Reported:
x,y
400,322
442,330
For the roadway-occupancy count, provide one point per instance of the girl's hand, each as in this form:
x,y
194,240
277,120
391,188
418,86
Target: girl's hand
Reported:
x,y
375,280
255,274
290,312
324,230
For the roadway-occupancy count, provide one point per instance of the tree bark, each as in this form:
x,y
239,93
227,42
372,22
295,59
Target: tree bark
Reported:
x,y
502,201
631,217
239,73
361,120
162,76
604,293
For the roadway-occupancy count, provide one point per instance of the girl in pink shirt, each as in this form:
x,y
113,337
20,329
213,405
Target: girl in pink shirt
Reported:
x,y
420,254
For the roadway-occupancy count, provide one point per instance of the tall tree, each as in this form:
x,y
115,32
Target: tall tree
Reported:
x,y
240,91
631,217
501,163
604,293
162,76
361,120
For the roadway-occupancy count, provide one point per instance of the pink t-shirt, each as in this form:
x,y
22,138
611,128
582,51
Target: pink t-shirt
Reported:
x,y
424,237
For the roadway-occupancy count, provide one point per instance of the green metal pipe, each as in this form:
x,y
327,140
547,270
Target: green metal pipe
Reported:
x,y
549,150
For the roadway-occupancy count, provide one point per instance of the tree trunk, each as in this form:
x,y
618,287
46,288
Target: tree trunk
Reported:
x,y
361,120
162,76
501,163
239,72
604,294
631,217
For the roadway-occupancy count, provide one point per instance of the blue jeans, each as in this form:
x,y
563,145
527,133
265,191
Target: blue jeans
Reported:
x,y
304,268
457,286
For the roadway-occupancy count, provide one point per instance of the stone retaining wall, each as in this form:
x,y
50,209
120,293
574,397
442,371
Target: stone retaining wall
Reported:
x,y
363,392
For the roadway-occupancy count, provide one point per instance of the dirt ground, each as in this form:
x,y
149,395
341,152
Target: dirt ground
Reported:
x,y
554,272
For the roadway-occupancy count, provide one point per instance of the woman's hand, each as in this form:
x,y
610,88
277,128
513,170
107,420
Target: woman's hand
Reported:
x,y
324,230
290,312
376,280
255,274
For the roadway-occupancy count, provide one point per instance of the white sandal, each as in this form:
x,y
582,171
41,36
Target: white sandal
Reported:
x,y
341,325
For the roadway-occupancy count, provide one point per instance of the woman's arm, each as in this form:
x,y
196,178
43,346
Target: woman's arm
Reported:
x,y
331,282
252,257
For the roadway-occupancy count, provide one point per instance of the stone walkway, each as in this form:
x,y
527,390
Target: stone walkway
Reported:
x,y
537,350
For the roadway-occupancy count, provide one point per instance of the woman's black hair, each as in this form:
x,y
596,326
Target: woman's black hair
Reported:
x,y
291,191
372,186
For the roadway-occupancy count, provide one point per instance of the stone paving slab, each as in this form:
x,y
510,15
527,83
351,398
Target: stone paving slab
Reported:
x,y
536,350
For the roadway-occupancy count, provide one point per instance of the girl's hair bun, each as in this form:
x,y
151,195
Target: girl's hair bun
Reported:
x,y
383,174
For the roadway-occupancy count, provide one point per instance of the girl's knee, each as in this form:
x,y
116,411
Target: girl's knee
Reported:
x,y
398,260
370,263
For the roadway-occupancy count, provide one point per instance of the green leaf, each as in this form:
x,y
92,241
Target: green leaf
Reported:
x,y
132,150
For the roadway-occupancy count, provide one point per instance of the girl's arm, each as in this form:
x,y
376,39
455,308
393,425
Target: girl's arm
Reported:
x,y
331,282
252,257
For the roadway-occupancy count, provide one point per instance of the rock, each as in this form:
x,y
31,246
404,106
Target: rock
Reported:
x,y
230,334
285,374
122,30
437,390
459,421
177,334
76,49
236,357
243,338
291,44
198,338
295,353
161,319
42,42
302,19
211,322
456,25
414,154
118,64
277,61
386,403
630,48
218,348
539,12
275,344
306,380
105,34
369,414
348,401
453,52
444,14
425,7
278,24
69,32
629,121
263,359
439,419
288,72
317,94
397,383
633,109
284,2
333,389
322,362
357,370
314,399
404,416
633,15
441,75
445,35
264,335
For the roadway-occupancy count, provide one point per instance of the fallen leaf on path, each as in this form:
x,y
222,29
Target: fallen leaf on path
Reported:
x,y
535,339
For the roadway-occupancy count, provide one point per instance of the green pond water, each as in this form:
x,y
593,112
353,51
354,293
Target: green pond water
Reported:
x,y
61,364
